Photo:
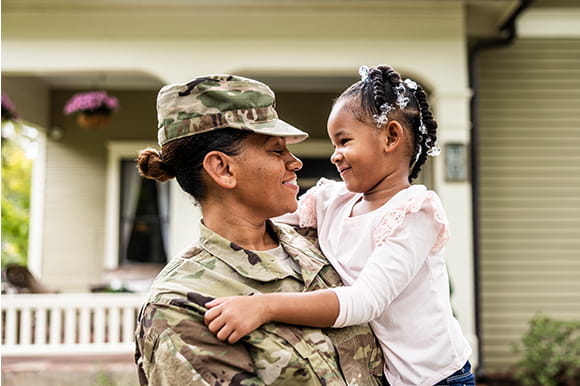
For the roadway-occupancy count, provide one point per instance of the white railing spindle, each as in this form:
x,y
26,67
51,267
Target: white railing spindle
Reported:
x,y
85,326
70,326
114,325
99,326
11,324
51,324
128,321
25,326
40,326
55,326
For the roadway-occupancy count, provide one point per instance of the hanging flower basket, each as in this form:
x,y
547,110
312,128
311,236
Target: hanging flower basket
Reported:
x,y
93,121
8,109
93,109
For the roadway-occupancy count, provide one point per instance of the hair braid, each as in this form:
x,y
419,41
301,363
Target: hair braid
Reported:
x,y
383,85
378,87
422,139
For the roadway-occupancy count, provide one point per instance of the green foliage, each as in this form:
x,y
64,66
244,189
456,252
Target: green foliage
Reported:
x,y
550,353
103,379
16,180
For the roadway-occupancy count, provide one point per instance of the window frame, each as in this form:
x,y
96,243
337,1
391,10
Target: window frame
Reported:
x,y
116,151
183,213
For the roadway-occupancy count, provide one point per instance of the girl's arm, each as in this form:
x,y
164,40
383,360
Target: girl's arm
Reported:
x,y
231,318
391,267
393,264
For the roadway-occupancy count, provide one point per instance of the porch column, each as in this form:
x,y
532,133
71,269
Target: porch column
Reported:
x,y
451,109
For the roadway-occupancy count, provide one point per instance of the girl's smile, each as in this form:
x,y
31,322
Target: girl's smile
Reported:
x,y
343,170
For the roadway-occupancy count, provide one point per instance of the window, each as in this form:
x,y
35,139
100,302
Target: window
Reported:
x,y
161,214
144,217
137,211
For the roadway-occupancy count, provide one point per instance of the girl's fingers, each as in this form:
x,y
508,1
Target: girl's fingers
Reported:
x,y
224,332
216,325
216,302
210,315
234,337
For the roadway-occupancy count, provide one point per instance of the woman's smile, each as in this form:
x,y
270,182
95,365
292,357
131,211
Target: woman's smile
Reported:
x,y
292,183
343,170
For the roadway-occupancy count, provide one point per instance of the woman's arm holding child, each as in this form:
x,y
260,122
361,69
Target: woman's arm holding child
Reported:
x,y
231,318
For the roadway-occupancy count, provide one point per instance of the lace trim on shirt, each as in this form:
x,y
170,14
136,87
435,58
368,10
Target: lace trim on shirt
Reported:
x,y
307,205
394,218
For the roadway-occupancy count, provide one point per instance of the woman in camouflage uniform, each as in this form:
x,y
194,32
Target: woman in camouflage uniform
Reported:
x,y
221,138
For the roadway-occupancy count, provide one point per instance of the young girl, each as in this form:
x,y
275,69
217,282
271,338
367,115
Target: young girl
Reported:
x,y
384,236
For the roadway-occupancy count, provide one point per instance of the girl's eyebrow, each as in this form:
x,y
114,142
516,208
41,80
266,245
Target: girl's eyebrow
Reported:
x,y
340,133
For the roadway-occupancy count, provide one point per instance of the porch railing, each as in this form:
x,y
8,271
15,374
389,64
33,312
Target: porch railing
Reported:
x,y
92,323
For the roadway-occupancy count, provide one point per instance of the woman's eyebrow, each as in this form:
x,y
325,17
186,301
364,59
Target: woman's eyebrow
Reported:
x,y
273,139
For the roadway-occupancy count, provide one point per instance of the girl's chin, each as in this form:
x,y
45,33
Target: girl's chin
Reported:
x,y
354,188
349,185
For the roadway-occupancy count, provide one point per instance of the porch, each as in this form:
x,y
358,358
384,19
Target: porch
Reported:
x,y
69,339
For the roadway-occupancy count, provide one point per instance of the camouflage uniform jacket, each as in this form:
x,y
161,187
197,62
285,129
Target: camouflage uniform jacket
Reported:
x,y
174,347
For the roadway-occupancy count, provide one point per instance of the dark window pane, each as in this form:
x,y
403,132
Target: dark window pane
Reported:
x,y
313,169
144,218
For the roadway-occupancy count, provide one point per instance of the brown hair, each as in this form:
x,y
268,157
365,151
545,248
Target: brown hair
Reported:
x,y
183,158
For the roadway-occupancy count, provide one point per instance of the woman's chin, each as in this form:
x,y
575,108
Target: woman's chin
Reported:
x,y
287,209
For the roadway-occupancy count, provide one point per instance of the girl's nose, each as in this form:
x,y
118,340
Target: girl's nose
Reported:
x,y
294,163
335,156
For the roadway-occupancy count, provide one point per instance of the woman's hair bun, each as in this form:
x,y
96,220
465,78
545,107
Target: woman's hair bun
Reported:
x,y
150,165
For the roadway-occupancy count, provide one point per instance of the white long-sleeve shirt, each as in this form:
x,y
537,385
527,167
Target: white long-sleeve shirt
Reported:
x,y
392,262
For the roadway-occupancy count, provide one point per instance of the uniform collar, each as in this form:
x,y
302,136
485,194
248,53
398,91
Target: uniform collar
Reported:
x,y
262,266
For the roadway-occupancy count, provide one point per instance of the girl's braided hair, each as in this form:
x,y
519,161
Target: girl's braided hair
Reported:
x,y
378,89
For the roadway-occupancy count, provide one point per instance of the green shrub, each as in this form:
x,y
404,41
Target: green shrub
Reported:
x,y
550,353
16,183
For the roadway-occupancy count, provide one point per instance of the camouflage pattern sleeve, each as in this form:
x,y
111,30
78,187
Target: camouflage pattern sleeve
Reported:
x,y
176,349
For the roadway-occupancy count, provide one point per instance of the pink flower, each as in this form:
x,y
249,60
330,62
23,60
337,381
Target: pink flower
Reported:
x,y
91,102
8,108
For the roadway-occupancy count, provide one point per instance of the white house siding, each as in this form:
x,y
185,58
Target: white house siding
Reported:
x,y
529,101
73,247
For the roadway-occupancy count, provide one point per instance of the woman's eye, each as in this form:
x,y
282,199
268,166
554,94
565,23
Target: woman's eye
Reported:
x,y
278,151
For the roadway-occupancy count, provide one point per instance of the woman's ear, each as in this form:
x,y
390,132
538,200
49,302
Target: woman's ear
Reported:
x,y
394,135
218,167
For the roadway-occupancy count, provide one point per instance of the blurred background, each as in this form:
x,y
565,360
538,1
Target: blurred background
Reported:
x,y
83,235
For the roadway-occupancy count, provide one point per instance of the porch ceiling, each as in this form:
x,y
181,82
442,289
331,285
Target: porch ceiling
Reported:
x,y
146,20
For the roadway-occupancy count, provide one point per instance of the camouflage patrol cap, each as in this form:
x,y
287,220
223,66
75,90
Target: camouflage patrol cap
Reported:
x,y
213,102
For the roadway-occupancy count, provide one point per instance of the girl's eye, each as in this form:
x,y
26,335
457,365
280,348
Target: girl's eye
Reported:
x,y
344,141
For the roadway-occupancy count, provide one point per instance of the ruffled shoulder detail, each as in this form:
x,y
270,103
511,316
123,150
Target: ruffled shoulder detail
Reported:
x,y
307,204
419,199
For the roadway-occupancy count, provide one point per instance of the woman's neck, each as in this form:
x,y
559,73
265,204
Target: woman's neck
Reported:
x,y
239,228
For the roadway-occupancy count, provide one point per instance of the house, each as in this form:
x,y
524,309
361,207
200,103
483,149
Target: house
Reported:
x,y
509,176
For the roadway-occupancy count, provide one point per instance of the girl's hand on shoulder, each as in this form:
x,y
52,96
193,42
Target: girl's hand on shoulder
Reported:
x,y
233,317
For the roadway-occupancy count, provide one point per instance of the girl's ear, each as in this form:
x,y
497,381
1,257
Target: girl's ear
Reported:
x,y
218,167
394,135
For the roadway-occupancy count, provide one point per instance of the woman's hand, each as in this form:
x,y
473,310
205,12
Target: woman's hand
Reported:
x,y
231,318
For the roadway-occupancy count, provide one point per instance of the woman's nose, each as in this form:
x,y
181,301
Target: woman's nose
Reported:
x,y
294,163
